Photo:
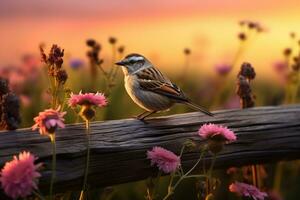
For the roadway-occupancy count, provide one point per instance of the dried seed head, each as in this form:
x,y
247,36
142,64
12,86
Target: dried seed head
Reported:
x,y
293,35
244,92
287,52
112,40
296,65
187,51
252,25
61,76
10,112
93,53
247,71
90,42
97,47
55,57
42,52
121,49
242,36
4,89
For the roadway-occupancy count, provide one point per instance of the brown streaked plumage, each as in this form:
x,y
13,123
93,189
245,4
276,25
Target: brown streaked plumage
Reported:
x,y
149,88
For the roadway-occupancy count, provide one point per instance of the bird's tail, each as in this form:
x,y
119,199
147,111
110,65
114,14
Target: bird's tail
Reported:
x,y
201,109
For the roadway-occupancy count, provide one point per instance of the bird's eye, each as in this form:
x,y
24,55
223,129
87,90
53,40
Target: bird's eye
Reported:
x,y
131,62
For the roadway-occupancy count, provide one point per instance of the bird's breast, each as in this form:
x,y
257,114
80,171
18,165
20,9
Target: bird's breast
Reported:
x,y
146,99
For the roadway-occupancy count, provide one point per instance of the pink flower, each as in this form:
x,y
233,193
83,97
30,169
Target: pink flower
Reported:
x,y
218,132
165,160
280,67
96,99
223,69
48,121
243,189
19,177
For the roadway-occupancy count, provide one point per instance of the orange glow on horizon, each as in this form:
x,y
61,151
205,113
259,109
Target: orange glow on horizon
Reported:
x,y
210,34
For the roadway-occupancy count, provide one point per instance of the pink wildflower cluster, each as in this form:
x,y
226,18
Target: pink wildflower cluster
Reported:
x,y
26,72
19,177
165,160
213,131
243,189
48,121
95,99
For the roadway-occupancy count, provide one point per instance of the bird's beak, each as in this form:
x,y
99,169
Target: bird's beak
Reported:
x,y
120,63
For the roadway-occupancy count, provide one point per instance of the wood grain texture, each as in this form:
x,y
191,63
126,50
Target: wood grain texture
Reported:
x,y
118,148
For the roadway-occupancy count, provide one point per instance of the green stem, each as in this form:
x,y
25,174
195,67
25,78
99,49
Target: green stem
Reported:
x,y
278,176
198,161
87,160
156,185
170,188
184,176
210,173
168,195
53,175
181,152
54,94
196,176
106,77
38,195
112,61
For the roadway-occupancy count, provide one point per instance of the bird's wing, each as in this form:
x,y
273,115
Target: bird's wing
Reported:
x,y
153,80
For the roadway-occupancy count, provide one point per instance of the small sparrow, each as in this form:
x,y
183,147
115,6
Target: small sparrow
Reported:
x,y
149,88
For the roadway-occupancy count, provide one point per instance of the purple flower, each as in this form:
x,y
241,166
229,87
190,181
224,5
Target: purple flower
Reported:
x,y
223,69
76,63
280,67
243,189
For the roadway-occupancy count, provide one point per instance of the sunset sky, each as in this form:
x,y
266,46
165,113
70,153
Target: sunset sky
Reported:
x,y
159,29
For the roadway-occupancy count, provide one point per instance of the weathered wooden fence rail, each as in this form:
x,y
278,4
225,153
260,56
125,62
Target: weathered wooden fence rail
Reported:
x,y
119,147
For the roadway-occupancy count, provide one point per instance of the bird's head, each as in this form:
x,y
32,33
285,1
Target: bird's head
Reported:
x,y
133,63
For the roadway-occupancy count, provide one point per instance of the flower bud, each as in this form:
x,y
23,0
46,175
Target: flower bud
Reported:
x,y
4,89
87,112
215,146
52,129
112,40
90,42
190,145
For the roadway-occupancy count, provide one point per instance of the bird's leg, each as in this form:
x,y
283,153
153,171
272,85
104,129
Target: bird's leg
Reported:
x,y
147,115
141,115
